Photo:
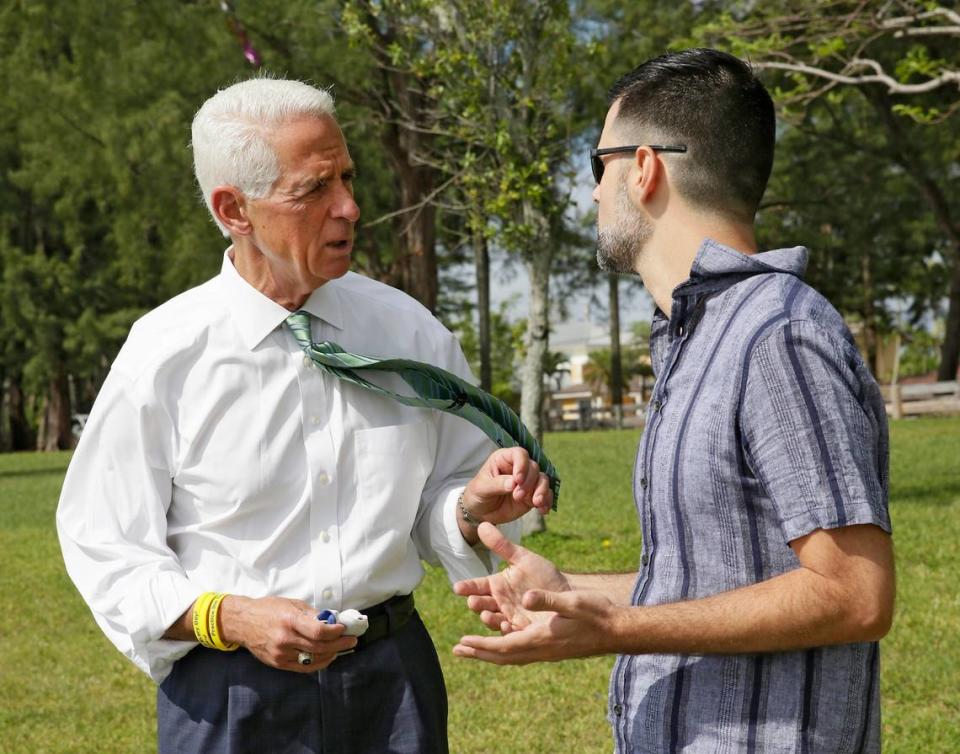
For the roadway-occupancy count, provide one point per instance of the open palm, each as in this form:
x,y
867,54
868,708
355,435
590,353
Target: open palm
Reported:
x,y
498,599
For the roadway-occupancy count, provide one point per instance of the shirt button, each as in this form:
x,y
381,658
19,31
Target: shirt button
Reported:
x,y
657,405
315,419
645,559
324,478
327,594
307,361
618,709
324,537
643,482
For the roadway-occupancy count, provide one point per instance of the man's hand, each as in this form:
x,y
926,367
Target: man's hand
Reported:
x,y
498,599
508,485
275,630
842,592
531,603
562,625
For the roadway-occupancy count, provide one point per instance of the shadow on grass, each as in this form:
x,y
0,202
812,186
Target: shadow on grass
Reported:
x,y
48,471
938,492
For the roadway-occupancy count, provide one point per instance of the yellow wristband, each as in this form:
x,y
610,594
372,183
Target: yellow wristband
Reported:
x,y
201,610
214,628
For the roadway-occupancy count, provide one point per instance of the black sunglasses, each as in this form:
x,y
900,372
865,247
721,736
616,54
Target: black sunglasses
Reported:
x,y
597,164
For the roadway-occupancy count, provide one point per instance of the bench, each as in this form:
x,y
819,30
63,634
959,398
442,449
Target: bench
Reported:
x,y
917,399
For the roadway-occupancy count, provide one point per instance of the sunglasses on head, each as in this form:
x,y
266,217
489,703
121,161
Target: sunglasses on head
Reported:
x,y
597,164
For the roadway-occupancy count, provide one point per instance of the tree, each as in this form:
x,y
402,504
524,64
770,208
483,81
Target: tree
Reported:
x,y
870,250
505,345
499,112
100,221
902,58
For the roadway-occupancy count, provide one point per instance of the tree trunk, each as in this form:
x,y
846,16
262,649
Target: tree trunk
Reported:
x,y
416,229
950,350
401,102
869,317
481,255
21,435
909,160
616,358
538,333
54,433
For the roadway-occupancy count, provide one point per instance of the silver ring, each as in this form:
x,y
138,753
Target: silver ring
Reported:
x,y
305,658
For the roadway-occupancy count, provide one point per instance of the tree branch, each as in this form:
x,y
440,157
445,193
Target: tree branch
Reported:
x,y
415,207
893,86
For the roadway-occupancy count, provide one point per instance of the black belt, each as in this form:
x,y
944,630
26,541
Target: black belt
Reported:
x,y
386,618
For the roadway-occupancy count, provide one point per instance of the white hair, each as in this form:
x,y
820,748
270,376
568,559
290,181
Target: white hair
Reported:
x,y
230,133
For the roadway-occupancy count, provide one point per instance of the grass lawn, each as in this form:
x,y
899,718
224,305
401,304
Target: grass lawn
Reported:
x,y
63,688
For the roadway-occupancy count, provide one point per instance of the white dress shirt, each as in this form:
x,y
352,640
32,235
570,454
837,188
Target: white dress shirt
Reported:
x,y
217,457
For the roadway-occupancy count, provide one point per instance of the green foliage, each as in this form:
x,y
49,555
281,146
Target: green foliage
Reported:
x,y
500,113
506,344
99,219
91,699
872,194
921,352
599,370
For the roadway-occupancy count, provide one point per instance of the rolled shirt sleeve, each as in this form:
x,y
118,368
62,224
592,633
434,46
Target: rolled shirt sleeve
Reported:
x,y
815,431
112,525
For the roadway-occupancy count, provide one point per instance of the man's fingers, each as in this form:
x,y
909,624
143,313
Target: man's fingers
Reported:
x,y
472,653
497,543
320,660
466,587
478,603
342,644
493,619
543,495
543,600
309,627
529,483
511,649
512,461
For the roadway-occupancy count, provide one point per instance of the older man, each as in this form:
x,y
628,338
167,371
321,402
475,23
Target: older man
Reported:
x,y
226,490
766,575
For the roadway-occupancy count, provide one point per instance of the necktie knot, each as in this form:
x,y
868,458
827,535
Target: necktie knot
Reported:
x,y
299,324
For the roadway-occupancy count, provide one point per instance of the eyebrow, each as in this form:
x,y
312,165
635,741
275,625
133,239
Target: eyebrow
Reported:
x,y
312,181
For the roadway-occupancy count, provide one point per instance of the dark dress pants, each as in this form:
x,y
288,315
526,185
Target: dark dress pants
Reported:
x,y
388,696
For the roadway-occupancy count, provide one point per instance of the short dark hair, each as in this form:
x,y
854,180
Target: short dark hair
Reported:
x,y
713,102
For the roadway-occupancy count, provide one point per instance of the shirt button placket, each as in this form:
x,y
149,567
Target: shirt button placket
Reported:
x,y
323,490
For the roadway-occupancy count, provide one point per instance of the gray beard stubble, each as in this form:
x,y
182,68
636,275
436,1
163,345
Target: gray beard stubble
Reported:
x,y
619,247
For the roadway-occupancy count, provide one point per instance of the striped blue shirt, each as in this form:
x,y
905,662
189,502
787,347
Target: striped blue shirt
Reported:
x,y
764,425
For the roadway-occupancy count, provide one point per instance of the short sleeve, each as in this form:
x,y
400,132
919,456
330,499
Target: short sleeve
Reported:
x,y
815,430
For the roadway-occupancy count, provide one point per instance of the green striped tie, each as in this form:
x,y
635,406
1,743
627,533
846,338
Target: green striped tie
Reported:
x,y
434,387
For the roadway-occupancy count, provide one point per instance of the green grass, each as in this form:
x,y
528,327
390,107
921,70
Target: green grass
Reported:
x,y
63,688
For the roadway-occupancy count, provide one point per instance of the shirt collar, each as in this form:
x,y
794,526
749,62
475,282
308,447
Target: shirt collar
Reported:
x,y
717,266
256,315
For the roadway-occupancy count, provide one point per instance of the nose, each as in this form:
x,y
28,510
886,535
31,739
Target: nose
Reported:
x,y
346,206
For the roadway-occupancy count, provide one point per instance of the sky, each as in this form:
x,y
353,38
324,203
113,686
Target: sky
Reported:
x,y
511,285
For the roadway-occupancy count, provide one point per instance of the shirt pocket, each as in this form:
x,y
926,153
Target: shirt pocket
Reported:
x,y
393,464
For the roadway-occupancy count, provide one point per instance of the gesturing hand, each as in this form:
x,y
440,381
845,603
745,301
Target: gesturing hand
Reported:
x,y
573,624
276,630
498,599
531,603
508,485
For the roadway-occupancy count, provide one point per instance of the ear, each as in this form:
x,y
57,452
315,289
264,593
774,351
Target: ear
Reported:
x,y
646,174
229,206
